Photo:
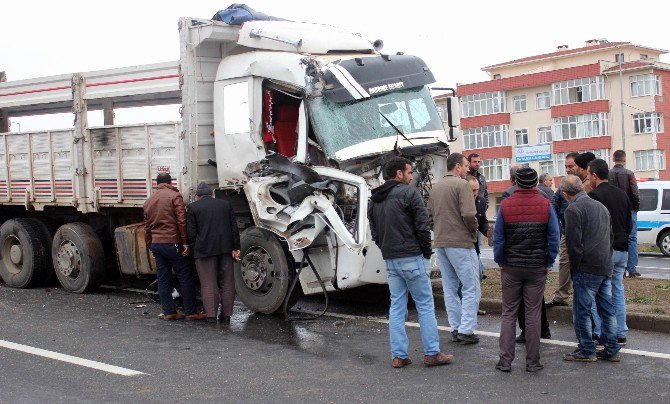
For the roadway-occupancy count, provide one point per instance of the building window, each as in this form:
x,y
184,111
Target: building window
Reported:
x,y
496,77
643,56
548,167
521,136
520,103
544,134
649,160
495,169
618,58
485,136
645,84
580,126
543,100
560,158
483,104
649,122
578,90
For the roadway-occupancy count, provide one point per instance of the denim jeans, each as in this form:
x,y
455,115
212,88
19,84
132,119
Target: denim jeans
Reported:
x,y
587,289
619,259
480,238
168,257
460,265
631,266
410,274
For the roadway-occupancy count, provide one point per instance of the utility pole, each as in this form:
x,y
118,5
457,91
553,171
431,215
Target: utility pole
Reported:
x,y
623,130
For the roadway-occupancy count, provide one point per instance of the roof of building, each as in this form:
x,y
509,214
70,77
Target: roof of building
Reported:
x,y
566,52
629,66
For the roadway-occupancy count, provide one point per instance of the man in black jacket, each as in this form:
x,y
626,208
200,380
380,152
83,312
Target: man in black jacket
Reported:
x,y
400,227
588,236
617,203
212,228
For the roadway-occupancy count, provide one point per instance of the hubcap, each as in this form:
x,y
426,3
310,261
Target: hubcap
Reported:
x,y
69,259
665,244
257,270
15,254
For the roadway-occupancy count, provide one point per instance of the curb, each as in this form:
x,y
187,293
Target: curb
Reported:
x,y
644,322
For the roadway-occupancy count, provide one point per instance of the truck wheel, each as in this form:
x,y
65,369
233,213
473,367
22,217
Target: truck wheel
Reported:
x,y
265,274
23,253
47,234
78,257
664,243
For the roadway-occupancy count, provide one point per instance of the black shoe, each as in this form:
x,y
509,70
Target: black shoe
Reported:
x,y
609,358
504,367
484,277
521,339
554,303
621,341
224,319
545,334
578,356
211,319
454,336
535,367
468,339
596,339
634,274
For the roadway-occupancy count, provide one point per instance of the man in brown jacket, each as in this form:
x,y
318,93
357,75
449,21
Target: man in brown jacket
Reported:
x,y
454,230
165,226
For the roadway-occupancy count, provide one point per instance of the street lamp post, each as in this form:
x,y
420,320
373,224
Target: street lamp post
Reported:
x,y
623,128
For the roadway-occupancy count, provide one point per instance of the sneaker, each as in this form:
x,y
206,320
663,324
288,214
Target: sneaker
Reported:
x,y
596,339
437,360
554,303
609,358
534,367
401,363
634,275
454,336
503,367
468,339
578,356
521,339
545,335
621,341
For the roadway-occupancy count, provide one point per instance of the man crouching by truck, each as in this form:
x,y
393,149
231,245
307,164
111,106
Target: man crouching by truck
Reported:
x,y
401,229
165,225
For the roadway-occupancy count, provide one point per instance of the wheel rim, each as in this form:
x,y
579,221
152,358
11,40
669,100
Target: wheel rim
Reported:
x,y
69,260
665,243
258,271
12,254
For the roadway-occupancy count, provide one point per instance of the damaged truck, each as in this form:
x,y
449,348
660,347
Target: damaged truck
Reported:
x,y
292,122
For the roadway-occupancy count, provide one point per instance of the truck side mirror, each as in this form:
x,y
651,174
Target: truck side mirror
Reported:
x,y
453,116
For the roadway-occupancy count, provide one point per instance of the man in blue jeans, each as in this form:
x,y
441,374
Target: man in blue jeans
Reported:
x,y
588,236
623,178
400,227
617,204
455,229
166,236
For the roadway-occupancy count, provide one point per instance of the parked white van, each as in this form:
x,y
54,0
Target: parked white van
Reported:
x,y
653,218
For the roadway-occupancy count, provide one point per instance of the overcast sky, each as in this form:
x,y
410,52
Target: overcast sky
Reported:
x,y
456,39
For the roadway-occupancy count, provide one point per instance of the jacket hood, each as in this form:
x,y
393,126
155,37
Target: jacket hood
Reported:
x,y
380,193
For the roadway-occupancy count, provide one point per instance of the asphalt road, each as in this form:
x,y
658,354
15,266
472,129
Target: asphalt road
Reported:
x,y
258,358
653,266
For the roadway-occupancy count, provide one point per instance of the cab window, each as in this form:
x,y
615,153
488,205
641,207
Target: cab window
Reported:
x,y
648,199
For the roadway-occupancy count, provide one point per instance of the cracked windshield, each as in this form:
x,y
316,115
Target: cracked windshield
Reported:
x,y
340,125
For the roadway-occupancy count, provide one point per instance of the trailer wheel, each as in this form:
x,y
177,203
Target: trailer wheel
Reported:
x,y
664,243
78,257
23,253
265,274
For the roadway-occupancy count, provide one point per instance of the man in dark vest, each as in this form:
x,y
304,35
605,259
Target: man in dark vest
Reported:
x,y
525,245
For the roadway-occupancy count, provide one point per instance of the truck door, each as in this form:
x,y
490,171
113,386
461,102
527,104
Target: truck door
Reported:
x,y
237,134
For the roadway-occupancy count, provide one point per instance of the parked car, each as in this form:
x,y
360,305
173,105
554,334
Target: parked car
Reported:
x,y
653,219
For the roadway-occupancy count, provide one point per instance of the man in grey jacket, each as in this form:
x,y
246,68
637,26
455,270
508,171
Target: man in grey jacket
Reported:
x,y
455,233
588,236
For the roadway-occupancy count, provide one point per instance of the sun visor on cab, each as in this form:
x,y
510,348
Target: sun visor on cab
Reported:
x,y
365,77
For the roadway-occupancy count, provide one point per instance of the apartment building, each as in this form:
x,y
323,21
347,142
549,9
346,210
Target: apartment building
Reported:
x,y
537,109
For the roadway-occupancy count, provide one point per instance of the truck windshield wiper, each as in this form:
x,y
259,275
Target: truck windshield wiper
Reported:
x,y
395,147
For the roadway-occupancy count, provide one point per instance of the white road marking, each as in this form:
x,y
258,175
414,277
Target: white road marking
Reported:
x,y
69,359
487,334
652,267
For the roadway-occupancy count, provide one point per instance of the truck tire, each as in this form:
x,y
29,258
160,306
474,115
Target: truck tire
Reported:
x,y
78,257
23,253
47,234
266,272
664,243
